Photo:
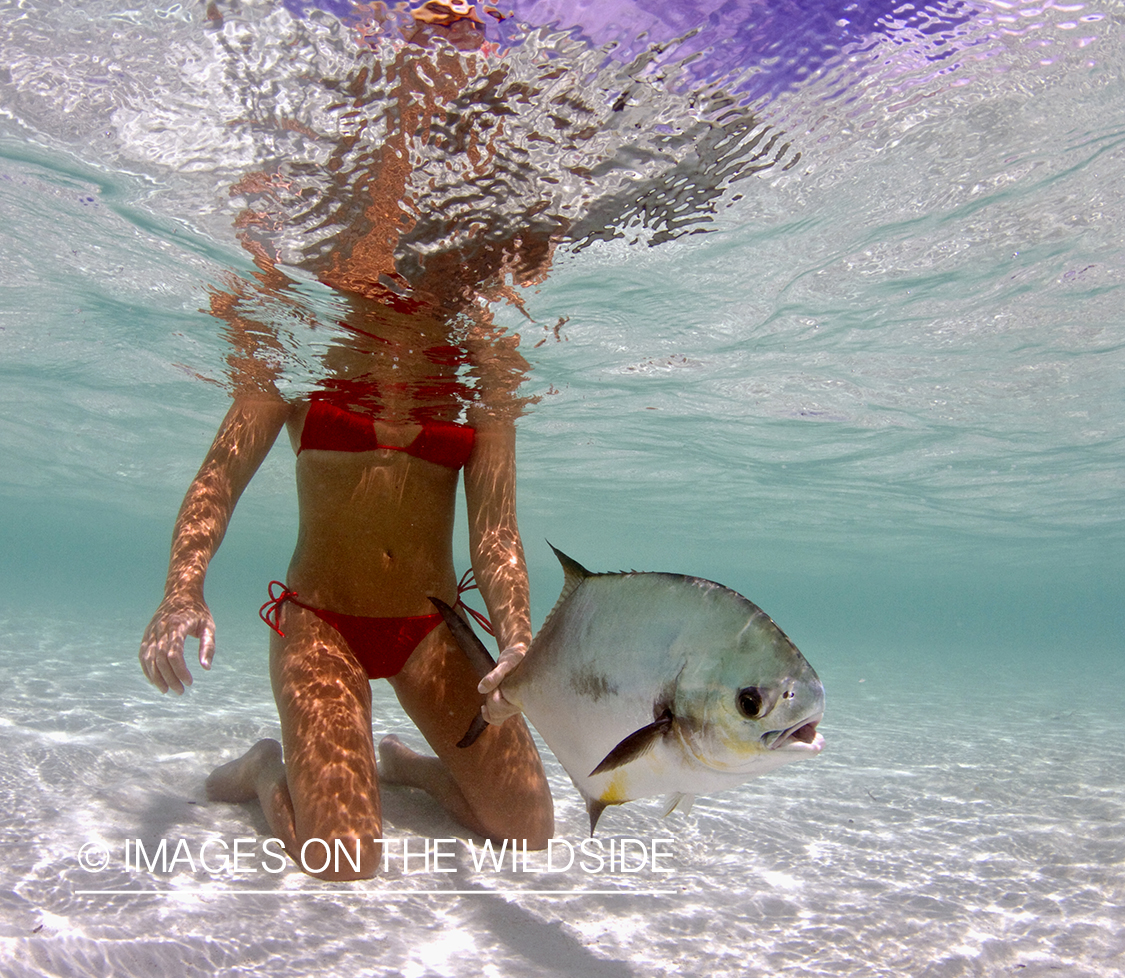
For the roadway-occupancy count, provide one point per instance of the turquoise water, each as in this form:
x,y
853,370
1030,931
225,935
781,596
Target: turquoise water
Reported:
x,y
882,397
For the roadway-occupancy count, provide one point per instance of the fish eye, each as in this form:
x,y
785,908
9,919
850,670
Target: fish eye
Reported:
x,y
750,702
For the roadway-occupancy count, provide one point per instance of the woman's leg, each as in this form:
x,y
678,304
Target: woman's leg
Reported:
x,y
326,789
497,787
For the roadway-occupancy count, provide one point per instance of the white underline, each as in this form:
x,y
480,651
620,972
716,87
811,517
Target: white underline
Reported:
x,y
371,893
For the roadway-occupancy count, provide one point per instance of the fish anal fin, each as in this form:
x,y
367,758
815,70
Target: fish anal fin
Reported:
x,y
594,809
638,743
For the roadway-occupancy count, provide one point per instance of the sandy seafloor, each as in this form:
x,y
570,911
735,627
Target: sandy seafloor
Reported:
x,y
965,819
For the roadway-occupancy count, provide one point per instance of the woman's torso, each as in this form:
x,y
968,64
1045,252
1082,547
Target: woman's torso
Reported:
x,y
376,490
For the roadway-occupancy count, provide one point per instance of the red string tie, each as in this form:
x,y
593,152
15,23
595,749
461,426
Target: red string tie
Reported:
x,y
270,612
468,584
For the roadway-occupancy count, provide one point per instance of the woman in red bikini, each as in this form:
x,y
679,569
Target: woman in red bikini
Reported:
x,y
379,450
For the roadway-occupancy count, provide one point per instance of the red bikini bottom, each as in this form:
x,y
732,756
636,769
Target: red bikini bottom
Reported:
x,y
380,645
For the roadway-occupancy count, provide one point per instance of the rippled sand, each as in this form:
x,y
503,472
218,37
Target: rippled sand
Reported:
x,y
962,821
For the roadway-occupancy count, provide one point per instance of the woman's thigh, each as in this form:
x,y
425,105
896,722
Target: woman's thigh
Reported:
x,y
501,775
324,700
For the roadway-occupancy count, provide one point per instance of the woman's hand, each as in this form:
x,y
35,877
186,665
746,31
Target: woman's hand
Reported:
x,y
162,648
244,439
496,708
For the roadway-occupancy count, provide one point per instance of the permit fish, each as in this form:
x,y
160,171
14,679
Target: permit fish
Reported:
x,y
658,684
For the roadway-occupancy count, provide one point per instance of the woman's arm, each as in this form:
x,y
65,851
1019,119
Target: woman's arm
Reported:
x,y
497,553
244,439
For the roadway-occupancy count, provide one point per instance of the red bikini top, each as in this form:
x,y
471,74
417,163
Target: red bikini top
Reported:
x,y
334,429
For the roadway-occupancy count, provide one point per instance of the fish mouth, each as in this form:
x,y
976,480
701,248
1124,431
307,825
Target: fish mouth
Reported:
x,y
800,736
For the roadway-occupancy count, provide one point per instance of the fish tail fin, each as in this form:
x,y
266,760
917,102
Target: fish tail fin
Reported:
x,y
476,728
477,655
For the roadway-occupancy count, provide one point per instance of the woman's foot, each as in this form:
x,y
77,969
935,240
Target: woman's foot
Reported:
x,y
239,780
395,761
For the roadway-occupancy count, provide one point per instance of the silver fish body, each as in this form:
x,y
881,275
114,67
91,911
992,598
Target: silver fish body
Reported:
x,y
659,684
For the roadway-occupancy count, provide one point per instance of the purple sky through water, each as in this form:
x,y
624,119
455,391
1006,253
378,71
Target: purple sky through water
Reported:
x,y
758,47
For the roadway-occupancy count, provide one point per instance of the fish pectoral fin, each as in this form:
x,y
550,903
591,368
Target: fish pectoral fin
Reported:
x,y
478,656
679,800
638,743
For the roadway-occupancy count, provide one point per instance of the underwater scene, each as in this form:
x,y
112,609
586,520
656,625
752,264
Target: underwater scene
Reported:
x,y
820,300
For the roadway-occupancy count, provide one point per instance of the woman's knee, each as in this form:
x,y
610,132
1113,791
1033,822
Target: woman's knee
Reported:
x,y
527,816
338,857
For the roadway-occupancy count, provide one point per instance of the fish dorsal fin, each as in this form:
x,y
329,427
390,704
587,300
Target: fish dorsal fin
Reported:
x,y
573,575
639,742
573,572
